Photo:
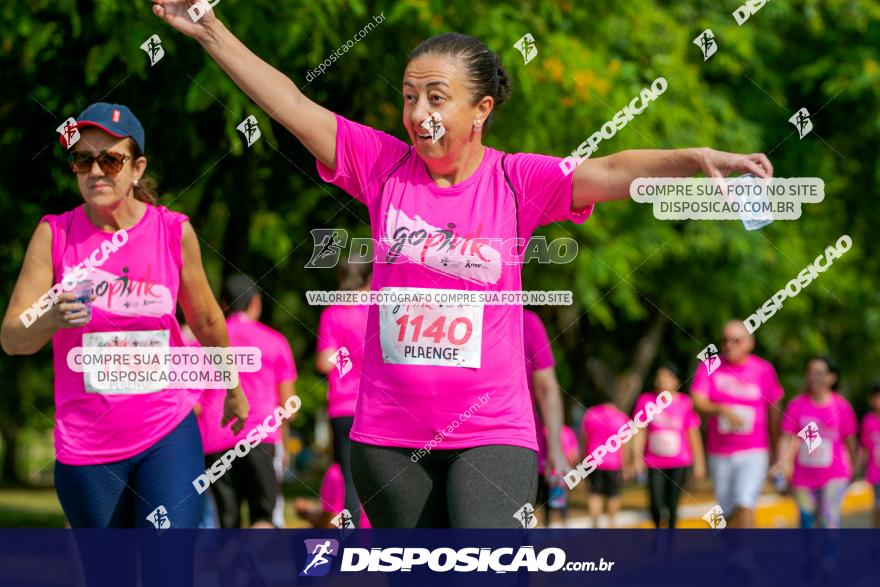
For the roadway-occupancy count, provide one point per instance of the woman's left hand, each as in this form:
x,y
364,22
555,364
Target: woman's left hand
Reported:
x,y
557,463
719,164
235,409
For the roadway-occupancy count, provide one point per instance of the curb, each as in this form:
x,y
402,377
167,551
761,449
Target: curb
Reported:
x,y
773,511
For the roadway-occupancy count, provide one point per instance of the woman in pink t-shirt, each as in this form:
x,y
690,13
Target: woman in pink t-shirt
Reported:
x,y
342,332
125,457
598,425
444,433
870,441
669,445
818,446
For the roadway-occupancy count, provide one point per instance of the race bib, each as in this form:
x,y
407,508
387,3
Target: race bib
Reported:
x,y
820,457
745,413
664,443
109,379
443,335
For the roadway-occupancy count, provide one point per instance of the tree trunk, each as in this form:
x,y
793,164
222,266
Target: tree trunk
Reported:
x,y
632,381
625,387
9,472
10,415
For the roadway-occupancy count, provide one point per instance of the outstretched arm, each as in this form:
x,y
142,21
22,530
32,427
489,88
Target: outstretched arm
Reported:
x,y
274,92
608,178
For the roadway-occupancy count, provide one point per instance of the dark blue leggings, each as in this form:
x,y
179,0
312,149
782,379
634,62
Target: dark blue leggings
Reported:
x,y
122,494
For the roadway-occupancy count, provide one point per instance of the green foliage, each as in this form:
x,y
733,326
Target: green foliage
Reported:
x,y
253,208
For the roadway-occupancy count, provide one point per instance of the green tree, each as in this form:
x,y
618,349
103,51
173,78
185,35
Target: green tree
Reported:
x,y
644,289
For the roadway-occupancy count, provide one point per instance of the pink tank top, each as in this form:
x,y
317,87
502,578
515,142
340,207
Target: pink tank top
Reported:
x,y
136,288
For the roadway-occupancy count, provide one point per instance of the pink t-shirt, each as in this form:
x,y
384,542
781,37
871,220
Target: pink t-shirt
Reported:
x,y
569,444
751,388
426,365
260,387
343,329
210,397
599,424
668,444
829,458
870,440
332,493
538,355
136,288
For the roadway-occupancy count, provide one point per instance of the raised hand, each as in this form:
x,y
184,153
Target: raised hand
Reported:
x,y
719,164
194,18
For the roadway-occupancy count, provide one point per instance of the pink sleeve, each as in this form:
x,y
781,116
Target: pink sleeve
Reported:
x,y
693,419
544,191
58,223
790,418
332,492
364,157
569,443
849,423
585,424
173,221
701,383
640,404
539,353
772,391
285,368
863,433
326,331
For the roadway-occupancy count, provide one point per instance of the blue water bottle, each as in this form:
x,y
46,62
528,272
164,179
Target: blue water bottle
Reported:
x,y
558,498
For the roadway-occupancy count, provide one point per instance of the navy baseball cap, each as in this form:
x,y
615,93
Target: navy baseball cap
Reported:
x,y
114,119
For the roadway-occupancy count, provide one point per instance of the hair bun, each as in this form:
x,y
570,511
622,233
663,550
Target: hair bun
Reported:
x,y
503,83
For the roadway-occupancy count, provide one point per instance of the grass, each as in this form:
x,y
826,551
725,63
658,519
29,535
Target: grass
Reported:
x,y
30,508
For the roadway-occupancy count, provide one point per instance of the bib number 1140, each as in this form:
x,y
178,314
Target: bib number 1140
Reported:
x,y
457,332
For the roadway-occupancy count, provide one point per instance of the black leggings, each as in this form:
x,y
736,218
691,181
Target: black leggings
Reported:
x,y
342,455
480,487
664,488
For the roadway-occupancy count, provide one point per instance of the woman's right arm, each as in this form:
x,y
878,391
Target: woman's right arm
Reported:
x,y
33,282
274,92
322,361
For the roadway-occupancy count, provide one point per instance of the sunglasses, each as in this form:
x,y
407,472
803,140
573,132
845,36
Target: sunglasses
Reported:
x,y
110,162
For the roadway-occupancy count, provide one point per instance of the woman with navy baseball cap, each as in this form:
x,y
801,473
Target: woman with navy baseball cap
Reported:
x,y
124,457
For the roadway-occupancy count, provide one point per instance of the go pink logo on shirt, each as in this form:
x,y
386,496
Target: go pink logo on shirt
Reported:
x,y
122,294
470,258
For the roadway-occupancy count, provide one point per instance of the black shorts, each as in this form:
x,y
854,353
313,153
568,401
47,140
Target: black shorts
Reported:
x,y
605,483
252,478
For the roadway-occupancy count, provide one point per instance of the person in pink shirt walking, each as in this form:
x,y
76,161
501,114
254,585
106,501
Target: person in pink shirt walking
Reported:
x,y
125,456
870,440
342,332
598,425
548,407
740,399
252,478
669,445
447,214
819,445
